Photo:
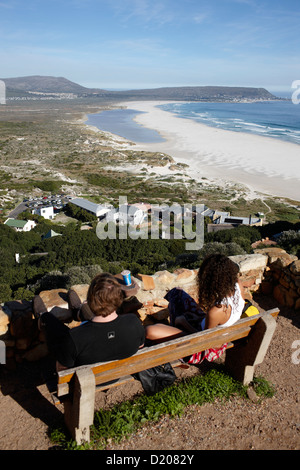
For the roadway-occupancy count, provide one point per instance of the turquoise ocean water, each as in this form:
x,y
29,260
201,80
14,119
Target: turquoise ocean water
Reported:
x,y
275,119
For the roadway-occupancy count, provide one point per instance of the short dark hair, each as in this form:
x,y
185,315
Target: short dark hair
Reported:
x,y
104,295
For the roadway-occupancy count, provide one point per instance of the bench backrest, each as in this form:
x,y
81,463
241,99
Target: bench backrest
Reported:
x,y
161,353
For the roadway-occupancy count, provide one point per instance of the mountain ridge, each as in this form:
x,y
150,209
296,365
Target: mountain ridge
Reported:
x,y
40,84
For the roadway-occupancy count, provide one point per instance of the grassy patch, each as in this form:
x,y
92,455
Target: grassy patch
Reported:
x,y
126,418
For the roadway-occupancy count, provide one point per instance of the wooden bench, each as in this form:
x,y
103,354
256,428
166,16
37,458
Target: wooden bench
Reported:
x,y
247,343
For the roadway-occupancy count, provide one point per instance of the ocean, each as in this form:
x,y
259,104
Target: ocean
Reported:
x,y
275,119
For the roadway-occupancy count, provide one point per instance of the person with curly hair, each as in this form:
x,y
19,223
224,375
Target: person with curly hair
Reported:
x,y
220,301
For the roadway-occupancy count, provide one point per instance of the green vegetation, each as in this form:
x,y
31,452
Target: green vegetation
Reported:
x,y
126,418
48,263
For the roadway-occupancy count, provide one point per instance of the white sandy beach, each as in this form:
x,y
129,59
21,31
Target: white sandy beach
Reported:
x,y
268,166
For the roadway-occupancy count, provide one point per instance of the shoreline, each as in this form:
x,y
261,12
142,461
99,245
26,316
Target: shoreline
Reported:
x,y
264,165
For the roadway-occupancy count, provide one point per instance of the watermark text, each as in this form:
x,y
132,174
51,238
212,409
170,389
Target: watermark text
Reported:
x,y
296,93
2,353
2,92
296,353
158,221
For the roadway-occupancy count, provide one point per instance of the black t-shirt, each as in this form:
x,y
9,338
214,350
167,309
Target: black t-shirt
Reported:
x,y
93,342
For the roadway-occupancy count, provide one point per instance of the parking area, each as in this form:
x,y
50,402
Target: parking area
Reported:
x,y
57,201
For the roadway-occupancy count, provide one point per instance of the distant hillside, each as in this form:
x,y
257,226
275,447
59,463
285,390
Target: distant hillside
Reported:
x,y
44,84
197,93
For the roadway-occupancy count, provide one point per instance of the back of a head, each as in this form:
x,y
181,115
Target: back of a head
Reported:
x,y
104,295
217,277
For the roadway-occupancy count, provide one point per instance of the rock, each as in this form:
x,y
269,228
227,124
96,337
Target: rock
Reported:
x,y
54,298
16,305
266,287
161,315
143,313
23,325
250,262
279,294
147,282
295,267
81,290
291,297
271,252
285,281
36,353
3,329
23,343
184,275
62,314
163,278
283,260
4,318
252,395
161,302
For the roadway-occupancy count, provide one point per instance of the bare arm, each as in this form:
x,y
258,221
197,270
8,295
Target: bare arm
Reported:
x,y
216,316
242,289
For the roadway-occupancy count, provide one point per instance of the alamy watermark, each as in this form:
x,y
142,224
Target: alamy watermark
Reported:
x,y
2,353
296,353
296,93
2,92
159,221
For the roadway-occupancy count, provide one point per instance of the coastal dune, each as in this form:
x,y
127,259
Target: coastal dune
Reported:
x,y
263,164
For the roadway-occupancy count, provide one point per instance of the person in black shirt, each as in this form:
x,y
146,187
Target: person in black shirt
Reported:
x,y
106,336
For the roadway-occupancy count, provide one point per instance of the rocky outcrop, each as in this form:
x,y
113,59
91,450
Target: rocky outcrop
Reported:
x,y
270,270
282,277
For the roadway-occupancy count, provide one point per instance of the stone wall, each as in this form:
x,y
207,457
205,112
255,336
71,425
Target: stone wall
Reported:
x,y
270,270
282,277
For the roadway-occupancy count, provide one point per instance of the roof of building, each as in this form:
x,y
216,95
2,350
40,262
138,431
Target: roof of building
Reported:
x,y
50,234
16,223
97,209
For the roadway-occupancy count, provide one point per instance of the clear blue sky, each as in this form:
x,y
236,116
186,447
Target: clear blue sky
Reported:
x,y
153,43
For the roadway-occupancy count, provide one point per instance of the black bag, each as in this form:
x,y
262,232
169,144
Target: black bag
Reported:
x,y
157,378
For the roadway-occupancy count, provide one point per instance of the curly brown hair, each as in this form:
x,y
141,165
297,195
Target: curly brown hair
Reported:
x,y
104,295
216,280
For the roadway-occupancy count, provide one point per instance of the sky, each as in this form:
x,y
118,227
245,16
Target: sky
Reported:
x,y
130,44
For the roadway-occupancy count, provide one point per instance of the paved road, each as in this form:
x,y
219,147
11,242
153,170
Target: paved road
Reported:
x,y
17,210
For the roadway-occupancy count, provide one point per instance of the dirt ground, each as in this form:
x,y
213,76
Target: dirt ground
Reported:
x,y
27,412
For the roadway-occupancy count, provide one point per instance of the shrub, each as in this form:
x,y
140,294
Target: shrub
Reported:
x,y
227,249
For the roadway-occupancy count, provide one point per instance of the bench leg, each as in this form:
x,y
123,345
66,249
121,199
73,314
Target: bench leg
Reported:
x,y
79,411
242,359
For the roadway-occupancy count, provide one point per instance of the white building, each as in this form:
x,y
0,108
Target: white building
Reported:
x,y
235,220
46,212
129,214
20,225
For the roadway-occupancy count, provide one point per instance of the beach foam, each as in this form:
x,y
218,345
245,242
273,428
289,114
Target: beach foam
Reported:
x,y
266,165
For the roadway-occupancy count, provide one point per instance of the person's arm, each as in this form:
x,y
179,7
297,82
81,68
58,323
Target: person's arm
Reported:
x,y
216,316
60,367
59,341
241,289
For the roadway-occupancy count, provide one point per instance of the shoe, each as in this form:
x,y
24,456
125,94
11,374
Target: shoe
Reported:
x,y
74,304
38,307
